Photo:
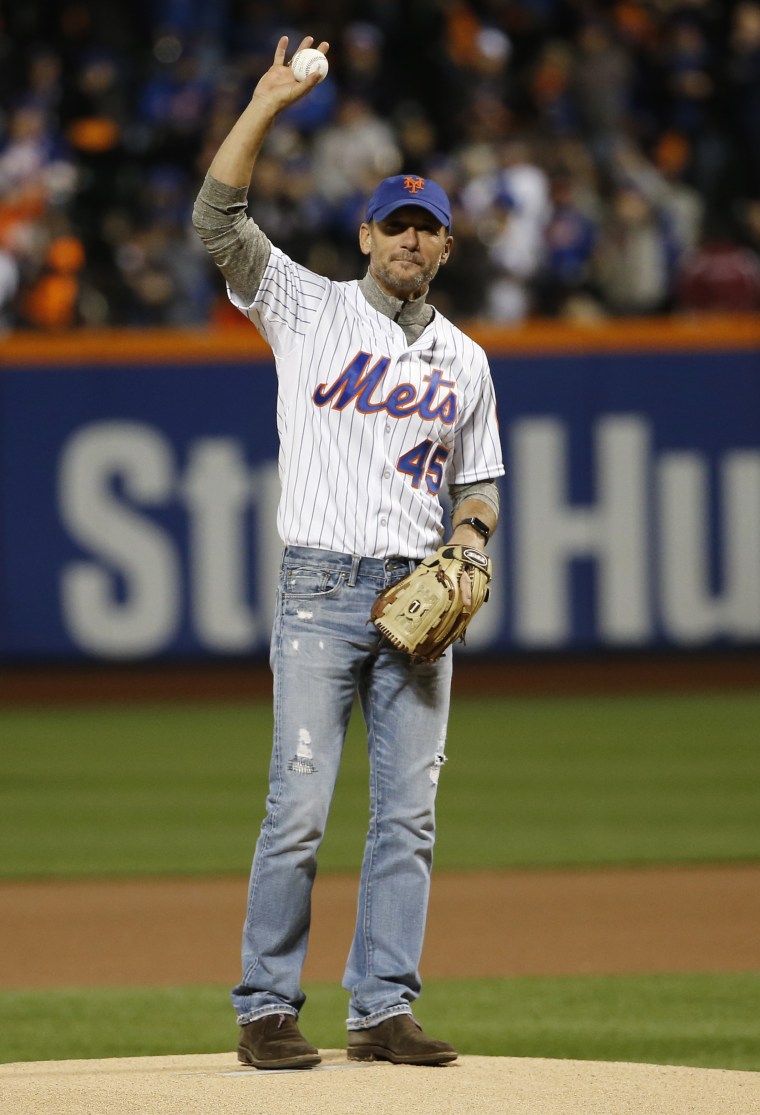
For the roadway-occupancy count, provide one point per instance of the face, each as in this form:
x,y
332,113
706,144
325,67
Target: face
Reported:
x,y
405,250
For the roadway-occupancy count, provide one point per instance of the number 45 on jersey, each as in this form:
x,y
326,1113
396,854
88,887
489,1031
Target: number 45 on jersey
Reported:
x,y
424,462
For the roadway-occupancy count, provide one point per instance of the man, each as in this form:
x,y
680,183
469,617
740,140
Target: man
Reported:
x,y
380,398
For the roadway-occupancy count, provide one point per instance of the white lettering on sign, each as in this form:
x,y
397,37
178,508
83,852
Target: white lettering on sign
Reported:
x,y
694,609
169,546
549,532
127,600
216,492
219,492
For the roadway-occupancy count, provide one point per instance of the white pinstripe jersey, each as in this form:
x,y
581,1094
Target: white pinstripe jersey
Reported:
x,y
370,426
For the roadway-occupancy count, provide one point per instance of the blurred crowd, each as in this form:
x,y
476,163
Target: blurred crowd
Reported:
x,y
603,158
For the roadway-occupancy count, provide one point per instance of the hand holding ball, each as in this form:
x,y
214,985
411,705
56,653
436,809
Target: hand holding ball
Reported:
x,y
307,62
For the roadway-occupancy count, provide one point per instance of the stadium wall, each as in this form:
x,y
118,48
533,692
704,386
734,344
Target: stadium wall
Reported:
x,y
138,491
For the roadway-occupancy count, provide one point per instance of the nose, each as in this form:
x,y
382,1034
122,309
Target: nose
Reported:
x,y
410,236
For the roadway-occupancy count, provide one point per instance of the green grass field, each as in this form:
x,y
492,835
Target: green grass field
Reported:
x,y
157,789
707,1020
160,789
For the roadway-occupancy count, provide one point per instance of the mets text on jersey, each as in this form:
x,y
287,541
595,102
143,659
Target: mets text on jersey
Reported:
x,y
357,385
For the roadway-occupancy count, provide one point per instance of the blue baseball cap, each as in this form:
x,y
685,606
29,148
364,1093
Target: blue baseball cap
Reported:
x,y
409,189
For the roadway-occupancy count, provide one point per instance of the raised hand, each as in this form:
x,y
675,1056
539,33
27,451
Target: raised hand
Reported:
x,y
234,161
278,87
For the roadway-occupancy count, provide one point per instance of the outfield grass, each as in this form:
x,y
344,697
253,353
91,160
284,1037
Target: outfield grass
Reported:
x,y
708,1020
160,789
163,789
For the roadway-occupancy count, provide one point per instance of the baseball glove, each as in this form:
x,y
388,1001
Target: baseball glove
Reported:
x,y
426,611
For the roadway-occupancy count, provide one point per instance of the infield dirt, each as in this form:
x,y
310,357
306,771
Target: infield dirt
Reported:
x,y
670,919
214,1085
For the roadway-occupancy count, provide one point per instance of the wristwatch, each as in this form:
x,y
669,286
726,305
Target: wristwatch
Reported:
x,y
476,524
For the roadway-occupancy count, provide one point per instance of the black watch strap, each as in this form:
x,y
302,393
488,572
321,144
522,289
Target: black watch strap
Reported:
x,y
478,525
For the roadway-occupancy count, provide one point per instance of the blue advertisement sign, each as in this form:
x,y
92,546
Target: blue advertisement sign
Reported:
x,y
138,503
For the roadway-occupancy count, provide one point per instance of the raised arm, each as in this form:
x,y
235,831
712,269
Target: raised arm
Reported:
x,y
276,90
237,245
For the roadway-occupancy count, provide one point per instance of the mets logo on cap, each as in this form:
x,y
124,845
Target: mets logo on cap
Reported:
x,y
409,189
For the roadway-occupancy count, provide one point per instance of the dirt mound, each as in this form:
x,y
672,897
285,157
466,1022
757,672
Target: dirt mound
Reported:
x,y
196,1085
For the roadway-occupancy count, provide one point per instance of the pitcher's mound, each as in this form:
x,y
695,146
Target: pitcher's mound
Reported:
x,y
215,1084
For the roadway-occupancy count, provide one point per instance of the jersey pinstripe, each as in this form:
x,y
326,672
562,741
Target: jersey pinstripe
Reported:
x,y
370,426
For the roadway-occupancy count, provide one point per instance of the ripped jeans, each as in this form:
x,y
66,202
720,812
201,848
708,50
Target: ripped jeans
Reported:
x,y
324,651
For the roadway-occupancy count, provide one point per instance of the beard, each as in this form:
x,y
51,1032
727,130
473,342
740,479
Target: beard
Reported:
x,y
405,287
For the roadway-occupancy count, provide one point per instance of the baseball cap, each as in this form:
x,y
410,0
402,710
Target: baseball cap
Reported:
x,y
409,189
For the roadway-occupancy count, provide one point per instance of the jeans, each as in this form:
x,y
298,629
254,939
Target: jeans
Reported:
x,y
325,651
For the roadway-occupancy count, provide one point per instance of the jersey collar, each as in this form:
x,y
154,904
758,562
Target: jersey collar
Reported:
x,y
415,314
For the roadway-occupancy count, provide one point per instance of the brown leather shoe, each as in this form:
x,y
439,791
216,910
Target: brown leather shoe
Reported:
x,y
275,1042
399,1039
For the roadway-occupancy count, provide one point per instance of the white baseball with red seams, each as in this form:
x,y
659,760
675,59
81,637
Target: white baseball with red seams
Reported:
x,y
307,62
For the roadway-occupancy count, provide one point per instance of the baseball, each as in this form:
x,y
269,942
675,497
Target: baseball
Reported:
x,y
307,62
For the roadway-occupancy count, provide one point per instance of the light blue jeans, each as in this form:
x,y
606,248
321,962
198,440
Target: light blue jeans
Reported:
x,y
324,651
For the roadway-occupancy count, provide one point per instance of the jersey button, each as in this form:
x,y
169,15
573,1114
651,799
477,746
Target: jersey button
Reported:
x,y
383,522
387,474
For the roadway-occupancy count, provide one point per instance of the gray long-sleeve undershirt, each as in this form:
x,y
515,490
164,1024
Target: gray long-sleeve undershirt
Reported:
x,y
241,251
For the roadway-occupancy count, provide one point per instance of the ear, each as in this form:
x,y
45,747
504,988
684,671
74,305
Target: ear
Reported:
x,y
365,238
447,249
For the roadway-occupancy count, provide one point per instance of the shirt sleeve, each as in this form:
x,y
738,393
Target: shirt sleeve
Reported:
x,y
477,450
285,303
235,242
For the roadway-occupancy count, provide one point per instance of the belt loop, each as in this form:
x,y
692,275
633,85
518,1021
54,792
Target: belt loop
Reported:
x,y
355,561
